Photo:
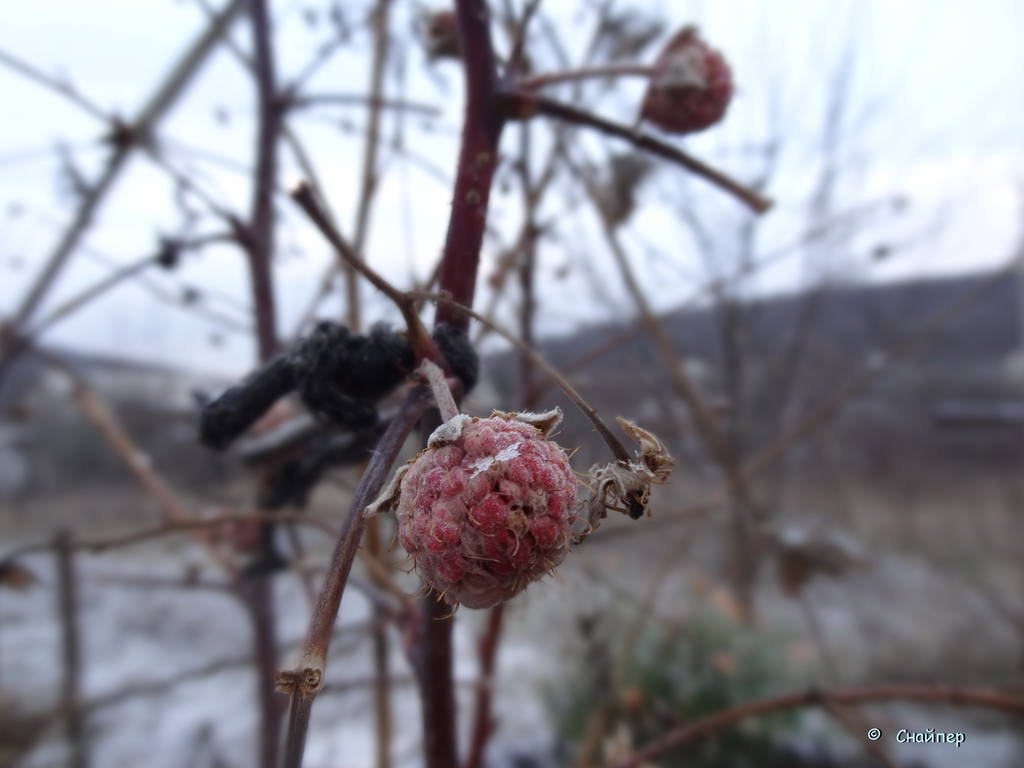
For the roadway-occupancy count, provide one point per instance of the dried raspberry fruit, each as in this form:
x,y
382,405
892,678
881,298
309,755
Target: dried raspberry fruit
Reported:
x,y
691,85
487,507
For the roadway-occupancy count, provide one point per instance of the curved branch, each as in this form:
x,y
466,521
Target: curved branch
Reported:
x,y
924,693
524,105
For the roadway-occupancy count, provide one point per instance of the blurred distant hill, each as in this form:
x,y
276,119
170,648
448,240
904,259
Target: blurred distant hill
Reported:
x,y
764,362
760,364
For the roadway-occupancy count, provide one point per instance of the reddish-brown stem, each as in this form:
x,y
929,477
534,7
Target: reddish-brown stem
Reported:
x,y
306,681
478,157
483,722
260,233
487,650
434,672
519,104
926,693
569,75
255,585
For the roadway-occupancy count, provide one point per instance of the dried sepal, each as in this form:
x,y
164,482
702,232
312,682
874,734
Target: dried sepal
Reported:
x,y
626,486
449,431
652,453
388,498
544,422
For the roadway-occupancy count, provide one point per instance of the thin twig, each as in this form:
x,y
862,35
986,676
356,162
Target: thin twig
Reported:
x,y
423,346
305,682
255,583
368,183
518,46
170,527
457,310
570,75
63,87
745,512
71,650
933,694
371,102
173,510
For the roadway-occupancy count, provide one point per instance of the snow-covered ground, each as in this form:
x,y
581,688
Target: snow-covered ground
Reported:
x,y
132,636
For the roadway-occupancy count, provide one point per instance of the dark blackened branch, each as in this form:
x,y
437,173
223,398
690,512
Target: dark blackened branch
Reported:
x,y
231,414
340,376
525,105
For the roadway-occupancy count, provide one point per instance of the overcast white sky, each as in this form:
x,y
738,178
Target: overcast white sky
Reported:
x,y
934,115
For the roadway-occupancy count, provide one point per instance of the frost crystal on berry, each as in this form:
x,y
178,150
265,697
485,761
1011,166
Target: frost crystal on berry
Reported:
x,y
691,85
487,508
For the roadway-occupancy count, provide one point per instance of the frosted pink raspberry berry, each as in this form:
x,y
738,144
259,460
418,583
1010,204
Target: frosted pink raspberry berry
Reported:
x,y
691,85
487,508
